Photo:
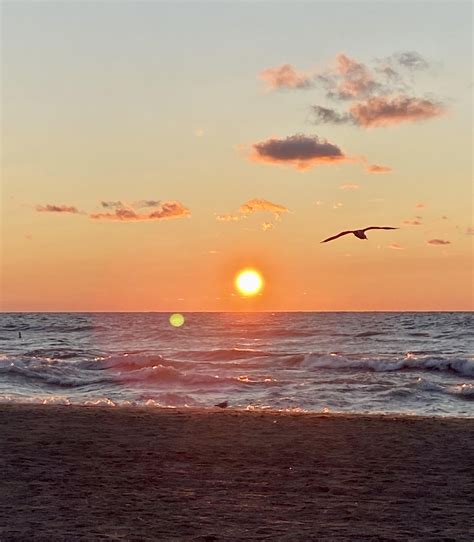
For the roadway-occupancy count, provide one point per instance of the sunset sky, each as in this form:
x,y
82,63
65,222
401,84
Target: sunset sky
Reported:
x,y
151,150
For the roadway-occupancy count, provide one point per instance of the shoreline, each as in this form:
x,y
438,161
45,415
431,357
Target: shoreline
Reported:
x,y
266,410
137,473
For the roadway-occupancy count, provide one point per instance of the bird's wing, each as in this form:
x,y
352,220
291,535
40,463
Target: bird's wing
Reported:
x,y
336,236
379,228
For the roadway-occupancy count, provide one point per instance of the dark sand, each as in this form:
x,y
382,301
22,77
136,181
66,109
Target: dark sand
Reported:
x,y
91,474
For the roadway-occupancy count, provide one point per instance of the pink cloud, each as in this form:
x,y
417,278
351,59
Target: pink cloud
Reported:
x,y
57,209
349,186
166,211
414,222
285,76
376,168
438,242
396,246
420,206
384,111
356,79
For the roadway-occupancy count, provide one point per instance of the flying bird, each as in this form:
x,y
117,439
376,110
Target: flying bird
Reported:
x,y
360,234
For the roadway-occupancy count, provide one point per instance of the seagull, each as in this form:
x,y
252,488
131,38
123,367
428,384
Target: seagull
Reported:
x,y
360,234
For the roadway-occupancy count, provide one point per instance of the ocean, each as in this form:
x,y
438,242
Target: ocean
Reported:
x,y
405,363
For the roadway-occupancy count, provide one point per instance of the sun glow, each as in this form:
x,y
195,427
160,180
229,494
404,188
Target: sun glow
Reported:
x,y
249,282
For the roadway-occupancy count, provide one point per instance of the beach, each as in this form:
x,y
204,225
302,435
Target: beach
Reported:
x,y
98,473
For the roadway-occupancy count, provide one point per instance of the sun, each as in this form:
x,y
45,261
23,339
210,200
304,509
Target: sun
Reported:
x,y
249,282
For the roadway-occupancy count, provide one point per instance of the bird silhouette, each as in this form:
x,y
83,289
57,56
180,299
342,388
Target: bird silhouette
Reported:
x,y
360,234
224,404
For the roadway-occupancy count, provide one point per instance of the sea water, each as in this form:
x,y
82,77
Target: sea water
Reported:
x,y
409,363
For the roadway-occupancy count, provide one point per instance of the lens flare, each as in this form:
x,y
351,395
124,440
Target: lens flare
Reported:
x,y
176,320
249,282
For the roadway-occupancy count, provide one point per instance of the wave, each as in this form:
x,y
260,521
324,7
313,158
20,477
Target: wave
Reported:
x,y
224,354
460,391
463,366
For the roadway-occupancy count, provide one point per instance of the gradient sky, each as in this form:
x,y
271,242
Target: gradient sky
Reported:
x,y
183,114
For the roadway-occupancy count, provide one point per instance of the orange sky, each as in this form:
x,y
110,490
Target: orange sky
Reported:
x,y
147,161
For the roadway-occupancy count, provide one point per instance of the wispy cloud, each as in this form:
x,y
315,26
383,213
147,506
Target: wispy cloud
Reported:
x,y
376,168
411,60
381,95
299,151
353,80
50,208
380,111
228,217
165,211
349,186
438,242
255,205
346,78
328,115
420,205
112,204
470,230
396,246
267,226
413,222
286,77
384,111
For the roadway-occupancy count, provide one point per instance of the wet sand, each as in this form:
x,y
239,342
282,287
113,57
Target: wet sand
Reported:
x,y
89,474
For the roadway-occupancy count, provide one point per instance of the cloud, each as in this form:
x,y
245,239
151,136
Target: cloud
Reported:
x,y
356,79
49,208
228,218
349,186
169,210
438,242
347,78
299,151
420,205
255,205
376,168
337,205
411,222
380,111
470,230
112,204
384,110
396,246
327,115
285,77
411,60
380,95
166,210
146,203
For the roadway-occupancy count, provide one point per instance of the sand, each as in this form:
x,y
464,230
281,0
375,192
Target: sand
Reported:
x,y
70,473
